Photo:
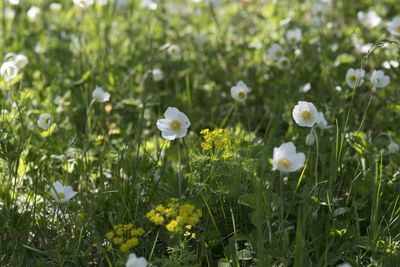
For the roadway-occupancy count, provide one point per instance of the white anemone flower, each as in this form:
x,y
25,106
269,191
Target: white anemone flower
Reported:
x,y
61,193
14,2
45,121
158,75
99,95
275,51
283,63
285,158
55,7
321,121
83,3
9,70
21,60
174,51
134,261
379,79
149,4
394,27
310,139
355,77
369,19
174,125
33,13
293,36
305,114
240,91
319,10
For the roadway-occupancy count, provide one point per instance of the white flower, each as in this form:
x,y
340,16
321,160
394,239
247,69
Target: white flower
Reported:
x,y
174,51
394,27
55,6
102,2
275,51
319,11
33,13
9,70
240,91
45,121
393,147
355,77
83,3
293,36
134,261
369,19
14,2
321,121
344,265
310,139
379,79
99,95
9,13
158,75
175,125
283,63
61,193
305,114
149,4
21,61
285,158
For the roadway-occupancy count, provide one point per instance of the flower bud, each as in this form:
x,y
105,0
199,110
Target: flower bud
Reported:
x,y
393,147
310,139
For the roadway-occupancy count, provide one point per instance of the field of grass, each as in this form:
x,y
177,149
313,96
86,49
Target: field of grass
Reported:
x,y
200,133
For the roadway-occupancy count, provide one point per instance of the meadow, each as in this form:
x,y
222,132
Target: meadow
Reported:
x,y
200,133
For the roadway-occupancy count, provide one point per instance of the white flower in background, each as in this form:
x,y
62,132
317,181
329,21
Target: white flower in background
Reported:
x,y
379,79
285,158
321,121
134,261
355,77
9,13
319,11
240,91
393,147
293,36
9,70
344,265
363,48
305,114
14,2
174,51
305,87
55,6
310,139
102,2
99,95
45,121
158,75
394,27
83,3
283,63
61,193
149,4
174,125
33,13
390,64
275,51
21,60
368,19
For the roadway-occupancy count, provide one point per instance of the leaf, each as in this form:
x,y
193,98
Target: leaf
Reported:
x,y
340,211
248,200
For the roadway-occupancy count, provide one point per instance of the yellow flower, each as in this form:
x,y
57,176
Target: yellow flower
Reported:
x,y
172,226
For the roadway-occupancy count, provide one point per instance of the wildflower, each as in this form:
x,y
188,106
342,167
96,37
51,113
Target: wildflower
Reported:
x,y
158,75
368,19
175,125
14,2
33,13
394,27
149,4
275,51
310,139
134,261
285,158
45,121
21,61
83,3
318,11
305,114
283,63
55,7
379,79
355,77
393,147
61,193
99,95
125,236
293,36
174,51
9,70
239,91
321,121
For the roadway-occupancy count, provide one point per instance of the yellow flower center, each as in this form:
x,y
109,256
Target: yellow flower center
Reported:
x,y
353,79
285,163
242,95
319,13
284,62
292,40
306,115
175,125
60,195
278,53
398,28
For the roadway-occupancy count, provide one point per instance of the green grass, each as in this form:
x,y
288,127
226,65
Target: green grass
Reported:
x,y
342,206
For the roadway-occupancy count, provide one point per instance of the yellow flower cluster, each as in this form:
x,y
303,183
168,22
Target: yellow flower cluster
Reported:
x,y
124,236
175,216
218,138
